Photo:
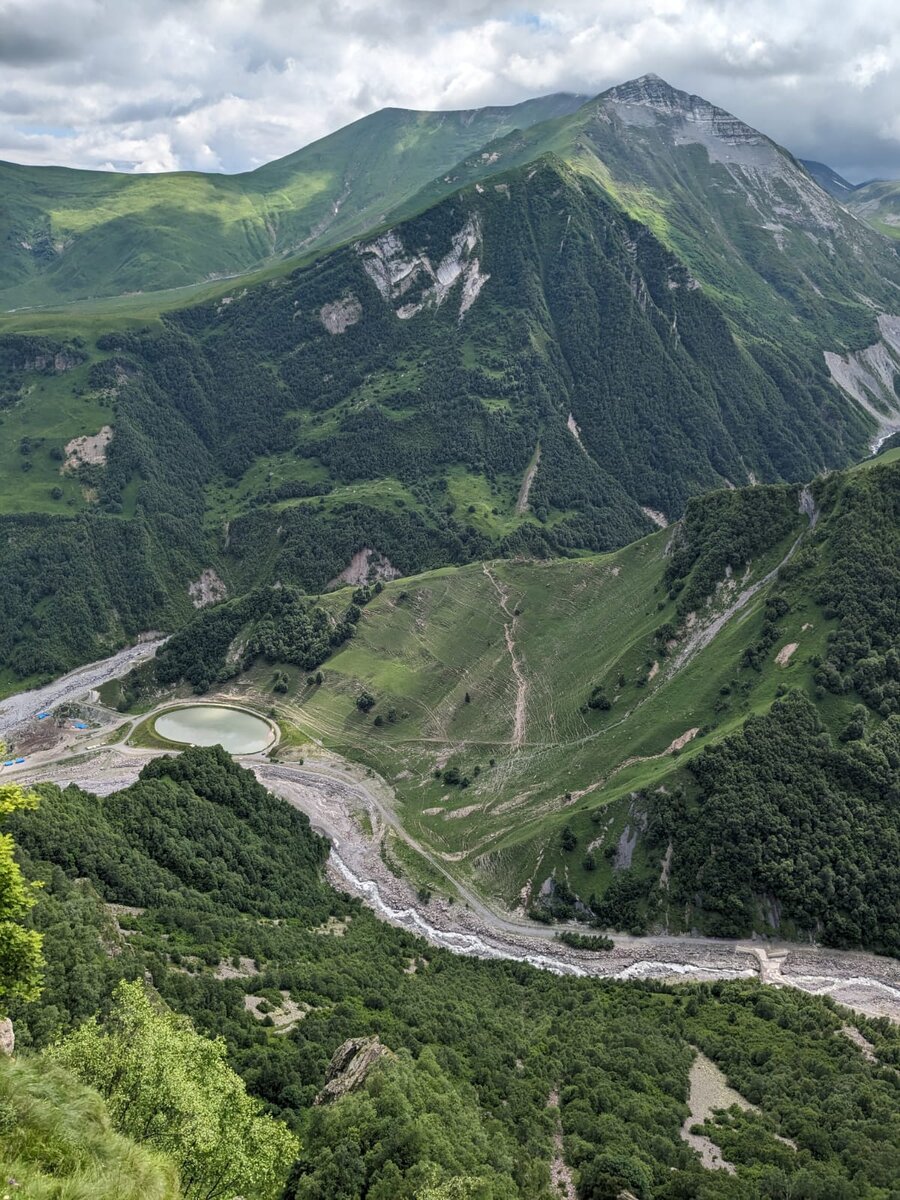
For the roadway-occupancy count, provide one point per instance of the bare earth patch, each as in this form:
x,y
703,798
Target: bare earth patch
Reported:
x,y
560,1172
572,427
340,315
657,517
245,968
784,654
88,449
509,631
462,812
365,566
709,1090
852,1034
680,742
287,1014
527,481
334,926
208,589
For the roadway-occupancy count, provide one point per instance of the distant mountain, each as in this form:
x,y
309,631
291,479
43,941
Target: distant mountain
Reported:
x,y
67,234
878,204
543,349
835,185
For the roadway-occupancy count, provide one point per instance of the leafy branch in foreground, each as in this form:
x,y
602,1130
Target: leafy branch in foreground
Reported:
x,y
20,948
171,1088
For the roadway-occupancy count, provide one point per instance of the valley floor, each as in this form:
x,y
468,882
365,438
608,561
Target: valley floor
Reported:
x,y
351,806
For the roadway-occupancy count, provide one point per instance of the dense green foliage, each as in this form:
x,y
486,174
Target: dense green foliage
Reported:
x,y
783,812
409,436
720,534
185,833
280,624
57,1140
170,1088
480,1046
75,588
20,948
862,589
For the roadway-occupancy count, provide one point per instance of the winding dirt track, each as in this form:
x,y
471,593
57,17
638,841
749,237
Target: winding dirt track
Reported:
x,y
336,795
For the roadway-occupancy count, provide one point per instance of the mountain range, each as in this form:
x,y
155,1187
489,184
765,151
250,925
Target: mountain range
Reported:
x,y
537,471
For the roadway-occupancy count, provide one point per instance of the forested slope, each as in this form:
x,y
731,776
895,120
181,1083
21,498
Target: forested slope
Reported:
x,y
459,1108
521,369
534,718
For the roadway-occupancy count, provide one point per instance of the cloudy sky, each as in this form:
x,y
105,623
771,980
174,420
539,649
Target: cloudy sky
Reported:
x,y
150,85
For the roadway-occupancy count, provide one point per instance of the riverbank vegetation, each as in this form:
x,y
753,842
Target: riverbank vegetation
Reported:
x,y
227,917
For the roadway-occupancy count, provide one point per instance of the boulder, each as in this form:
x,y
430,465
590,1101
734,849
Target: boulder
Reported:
x,y
350,1065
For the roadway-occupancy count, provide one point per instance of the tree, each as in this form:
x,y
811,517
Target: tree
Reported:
x,y
568,839
365,701
20,948
166,1085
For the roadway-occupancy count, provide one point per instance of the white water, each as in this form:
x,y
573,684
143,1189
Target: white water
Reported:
x,y
471,944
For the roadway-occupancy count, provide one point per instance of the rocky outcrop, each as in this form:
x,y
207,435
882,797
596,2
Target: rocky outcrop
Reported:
x,y
341,314
52,364
88,450
412,278
366,566
774,186
208,589
869,375
349,1067
7,1036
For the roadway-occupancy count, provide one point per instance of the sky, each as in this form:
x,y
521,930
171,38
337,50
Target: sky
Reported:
x,y
225,85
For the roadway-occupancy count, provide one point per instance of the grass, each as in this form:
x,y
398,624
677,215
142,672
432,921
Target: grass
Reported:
x,y
75,235
50,414
57,1141
427,641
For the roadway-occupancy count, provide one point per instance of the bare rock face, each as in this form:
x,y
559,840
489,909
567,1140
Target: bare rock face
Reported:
x,y
350,1065
340,315
7,1036
403,275
208,589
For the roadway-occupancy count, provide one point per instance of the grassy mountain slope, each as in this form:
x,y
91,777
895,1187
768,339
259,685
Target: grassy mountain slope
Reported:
x,y
69,234
572,694
785,260
56,1139
522,368
878,204
231,922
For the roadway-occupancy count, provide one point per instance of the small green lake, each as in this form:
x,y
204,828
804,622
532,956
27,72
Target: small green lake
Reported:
x,y
236,731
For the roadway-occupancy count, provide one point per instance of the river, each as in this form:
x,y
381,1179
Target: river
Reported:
x,y
335,794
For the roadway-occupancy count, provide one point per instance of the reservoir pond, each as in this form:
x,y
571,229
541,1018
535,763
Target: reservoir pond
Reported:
x,y
236,731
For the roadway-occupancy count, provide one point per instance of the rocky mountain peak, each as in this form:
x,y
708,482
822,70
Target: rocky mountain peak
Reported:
x,y
653,93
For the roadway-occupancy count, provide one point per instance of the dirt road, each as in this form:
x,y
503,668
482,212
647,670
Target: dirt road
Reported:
x,y
335,795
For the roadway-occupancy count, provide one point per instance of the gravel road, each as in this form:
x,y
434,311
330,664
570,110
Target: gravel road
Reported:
x,y
336,795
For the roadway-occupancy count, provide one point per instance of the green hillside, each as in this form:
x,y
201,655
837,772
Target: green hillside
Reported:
x,y
514,701
545,378
70,235
206,891
782,258
57,1139
878,204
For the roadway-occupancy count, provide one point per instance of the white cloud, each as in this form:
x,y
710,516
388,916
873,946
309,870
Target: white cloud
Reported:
x,y
229,84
